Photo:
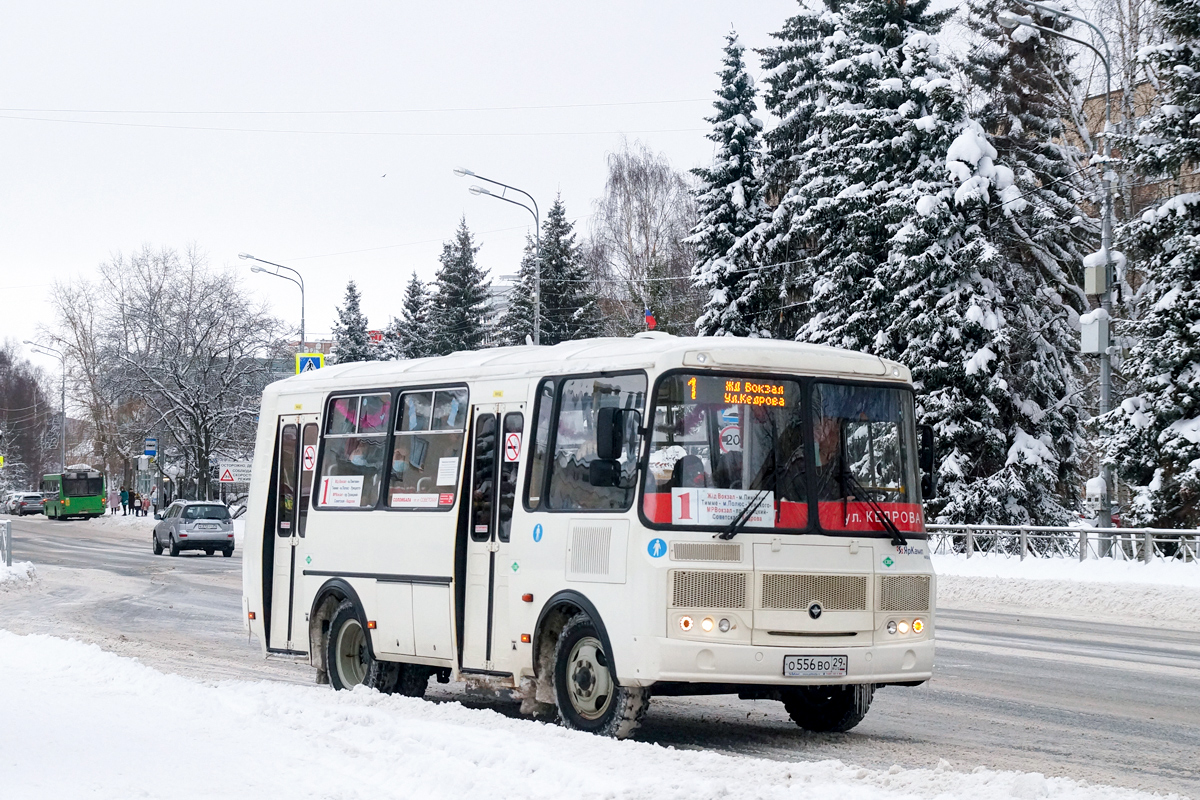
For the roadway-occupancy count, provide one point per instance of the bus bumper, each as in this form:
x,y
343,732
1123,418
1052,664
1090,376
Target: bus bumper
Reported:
x,y
702,662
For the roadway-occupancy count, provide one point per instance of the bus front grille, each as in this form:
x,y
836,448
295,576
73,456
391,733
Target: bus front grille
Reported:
x,y
706,551
903,592
833,592
707,589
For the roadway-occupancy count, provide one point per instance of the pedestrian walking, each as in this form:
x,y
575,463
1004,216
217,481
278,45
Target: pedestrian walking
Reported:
x,y
137,504
124,501
154,499
114,500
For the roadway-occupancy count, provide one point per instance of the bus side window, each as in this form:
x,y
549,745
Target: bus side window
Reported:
x,y
580,401
544,405
513,423
482,489
352,460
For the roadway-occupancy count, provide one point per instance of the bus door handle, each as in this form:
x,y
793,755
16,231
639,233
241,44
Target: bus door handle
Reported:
x,y
493,546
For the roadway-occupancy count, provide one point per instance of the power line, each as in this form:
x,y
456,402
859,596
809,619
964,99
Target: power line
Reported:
x,y
331,112
402,134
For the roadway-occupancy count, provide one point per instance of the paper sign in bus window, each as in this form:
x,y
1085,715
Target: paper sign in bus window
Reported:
x,y
720,507
447,474
342,490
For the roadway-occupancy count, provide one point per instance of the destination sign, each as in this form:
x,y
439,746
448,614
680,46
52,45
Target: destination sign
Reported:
x,y
755,393
739,391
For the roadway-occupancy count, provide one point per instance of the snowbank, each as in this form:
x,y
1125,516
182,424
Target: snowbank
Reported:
x,y
131,731
1161,591
124,521
19,575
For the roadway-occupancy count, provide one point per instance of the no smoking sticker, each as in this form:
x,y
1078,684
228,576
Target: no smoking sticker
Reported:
x,y
310,457
512,447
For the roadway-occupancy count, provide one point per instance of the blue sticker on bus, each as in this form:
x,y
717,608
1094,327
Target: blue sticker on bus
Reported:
x,y
537,532
657,548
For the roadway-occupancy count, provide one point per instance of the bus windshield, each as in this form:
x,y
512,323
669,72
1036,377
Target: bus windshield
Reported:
x,y
83,487
721,443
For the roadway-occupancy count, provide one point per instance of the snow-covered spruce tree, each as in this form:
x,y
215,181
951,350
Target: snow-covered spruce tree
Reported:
x,y
887,217
1153,438
459,307
570,309
794,81
730,205
407,336
351,342
1041,232
517,322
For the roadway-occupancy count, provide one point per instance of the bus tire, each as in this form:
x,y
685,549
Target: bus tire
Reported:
x,y
174,547
157,546
828,709
585,688
348,656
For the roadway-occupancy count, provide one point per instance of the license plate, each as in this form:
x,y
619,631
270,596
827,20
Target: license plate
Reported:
x,y
814,666
207,527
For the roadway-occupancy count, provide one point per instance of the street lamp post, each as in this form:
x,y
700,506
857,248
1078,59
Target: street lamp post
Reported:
x,y
298,280
1010,20
46,350
537,232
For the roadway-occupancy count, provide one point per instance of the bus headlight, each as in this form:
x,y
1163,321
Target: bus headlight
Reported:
x,y
685,623
918,626
891,626
902,626
707,624
723,626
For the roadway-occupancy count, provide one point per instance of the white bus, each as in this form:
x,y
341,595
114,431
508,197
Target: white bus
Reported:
x,y
590,523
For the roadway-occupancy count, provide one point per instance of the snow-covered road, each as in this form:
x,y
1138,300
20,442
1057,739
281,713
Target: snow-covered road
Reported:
x,y
80,722
1087,698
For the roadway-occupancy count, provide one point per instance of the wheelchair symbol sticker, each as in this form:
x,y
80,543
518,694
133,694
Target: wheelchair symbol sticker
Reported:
x,y
537,532
657,548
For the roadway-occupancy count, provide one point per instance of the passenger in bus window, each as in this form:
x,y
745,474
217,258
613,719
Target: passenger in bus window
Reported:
x,y
359,456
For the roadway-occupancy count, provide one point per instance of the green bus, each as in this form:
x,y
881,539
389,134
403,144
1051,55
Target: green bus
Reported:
x,y
74,493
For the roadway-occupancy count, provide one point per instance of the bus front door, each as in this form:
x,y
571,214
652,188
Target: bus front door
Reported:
x,y
497,432
296,456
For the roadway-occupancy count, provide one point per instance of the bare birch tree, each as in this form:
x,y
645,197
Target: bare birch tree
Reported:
x,y
636,251
162,343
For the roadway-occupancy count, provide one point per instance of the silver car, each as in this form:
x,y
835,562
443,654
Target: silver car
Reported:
x,y
22,503
194,525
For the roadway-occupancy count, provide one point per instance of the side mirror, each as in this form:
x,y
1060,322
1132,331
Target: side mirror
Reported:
x,y
927,459
605,472
614,426
158,515
241,510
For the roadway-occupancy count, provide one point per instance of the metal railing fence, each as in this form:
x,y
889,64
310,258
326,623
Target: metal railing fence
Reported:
x,y
6,541
1042,541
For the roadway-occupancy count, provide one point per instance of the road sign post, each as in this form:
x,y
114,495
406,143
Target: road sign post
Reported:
x,y
151,447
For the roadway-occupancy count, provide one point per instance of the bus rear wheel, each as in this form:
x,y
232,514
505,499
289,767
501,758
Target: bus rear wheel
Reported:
x,y
348,656
588,695
828,709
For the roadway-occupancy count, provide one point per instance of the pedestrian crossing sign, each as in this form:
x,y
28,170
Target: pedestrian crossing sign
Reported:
x,y
308,362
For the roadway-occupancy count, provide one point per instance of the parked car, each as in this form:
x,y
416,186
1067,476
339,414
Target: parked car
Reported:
x,y
194,525
22,503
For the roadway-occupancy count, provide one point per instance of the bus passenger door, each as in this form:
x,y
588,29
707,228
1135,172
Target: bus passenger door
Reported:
x,y
496,454
296,451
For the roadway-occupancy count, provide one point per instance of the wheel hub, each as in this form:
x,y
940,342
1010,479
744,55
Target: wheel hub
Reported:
x,y
589,683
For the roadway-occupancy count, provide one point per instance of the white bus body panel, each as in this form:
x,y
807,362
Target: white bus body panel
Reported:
x,y
602,556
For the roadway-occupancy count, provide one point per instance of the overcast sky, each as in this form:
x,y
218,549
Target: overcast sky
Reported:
x,y
412,88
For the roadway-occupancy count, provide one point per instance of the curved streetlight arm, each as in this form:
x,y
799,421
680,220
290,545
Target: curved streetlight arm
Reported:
x,y
300,282
536,220
536,212
1104,59
1054,12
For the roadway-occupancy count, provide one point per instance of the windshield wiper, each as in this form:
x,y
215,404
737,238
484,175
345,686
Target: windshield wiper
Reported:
x,y
744,516
848,478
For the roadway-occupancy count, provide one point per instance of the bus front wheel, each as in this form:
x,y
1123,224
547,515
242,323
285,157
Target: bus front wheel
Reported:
x,y
348,656
828,709
588,695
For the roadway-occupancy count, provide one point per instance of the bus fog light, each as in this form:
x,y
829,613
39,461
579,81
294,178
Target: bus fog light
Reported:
x,y
902,627
685,623
723,626
707,624
918,626
891,626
